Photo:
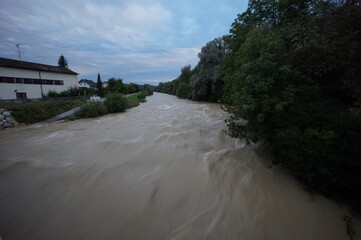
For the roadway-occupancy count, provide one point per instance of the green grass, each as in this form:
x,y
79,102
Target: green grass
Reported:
x,y
133,99
39,111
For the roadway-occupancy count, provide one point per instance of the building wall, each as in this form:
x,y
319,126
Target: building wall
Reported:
x,y
9,90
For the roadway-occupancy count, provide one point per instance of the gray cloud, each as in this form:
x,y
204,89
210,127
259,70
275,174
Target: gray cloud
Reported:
x,y
128,38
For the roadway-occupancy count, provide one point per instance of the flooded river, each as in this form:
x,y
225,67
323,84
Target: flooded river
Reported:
x,y
163,170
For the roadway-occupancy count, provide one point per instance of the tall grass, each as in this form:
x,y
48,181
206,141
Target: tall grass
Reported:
x,y
39,111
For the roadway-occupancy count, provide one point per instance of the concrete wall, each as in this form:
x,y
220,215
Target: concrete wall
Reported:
x,y
7,90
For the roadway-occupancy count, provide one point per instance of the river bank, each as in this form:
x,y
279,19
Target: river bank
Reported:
x,y
33,112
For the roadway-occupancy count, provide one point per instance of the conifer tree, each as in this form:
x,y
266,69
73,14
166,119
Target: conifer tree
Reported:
x,y
100,86
63,62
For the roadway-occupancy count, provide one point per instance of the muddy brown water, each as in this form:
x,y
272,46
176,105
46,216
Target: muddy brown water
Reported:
x,y
163,170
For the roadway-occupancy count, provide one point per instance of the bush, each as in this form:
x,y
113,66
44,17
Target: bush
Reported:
x,y
70,92
91,110
116,102
87,91
141,97
52,94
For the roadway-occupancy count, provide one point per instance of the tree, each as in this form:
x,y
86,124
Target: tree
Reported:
x,y
164,87
131,89
208,83
182,84
184,91
148,90
292,84
116,86
63,62
185,75
100,86
136,86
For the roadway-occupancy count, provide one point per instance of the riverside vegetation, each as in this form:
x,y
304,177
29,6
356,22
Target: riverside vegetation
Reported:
x,y
289,75
115,100
33,112
39,111
114,103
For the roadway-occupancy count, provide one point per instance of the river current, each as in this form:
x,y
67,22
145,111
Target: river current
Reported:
x,y
163,170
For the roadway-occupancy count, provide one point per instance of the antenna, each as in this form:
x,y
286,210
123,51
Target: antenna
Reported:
x,y
19,52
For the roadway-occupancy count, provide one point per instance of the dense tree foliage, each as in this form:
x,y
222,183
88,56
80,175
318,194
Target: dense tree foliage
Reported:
x,y
131,88
136,86
208,81
294,75
166,87
147,90
205,81
289,74
182,84
116,85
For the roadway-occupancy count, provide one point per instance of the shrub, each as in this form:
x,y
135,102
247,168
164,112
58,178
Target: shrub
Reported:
x,y
116,102
141,97
52,94
91,110
87,91
70,92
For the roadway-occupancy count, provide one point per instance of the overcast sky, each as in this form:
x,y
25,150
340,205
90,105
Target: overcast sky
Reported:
x,y
141,41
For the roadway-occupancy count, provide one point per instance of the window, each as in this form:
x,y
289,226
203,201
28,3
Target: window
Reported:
x,y
19,80
30,81
7,80
21,95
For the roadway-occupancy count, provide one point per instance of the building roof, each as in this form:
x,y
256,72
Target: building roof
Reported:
x,y
91,83
11,63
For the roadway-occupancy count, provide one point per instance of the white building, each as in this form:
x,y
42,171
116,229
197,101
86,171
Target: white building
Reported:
x,y
20,79
87,83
